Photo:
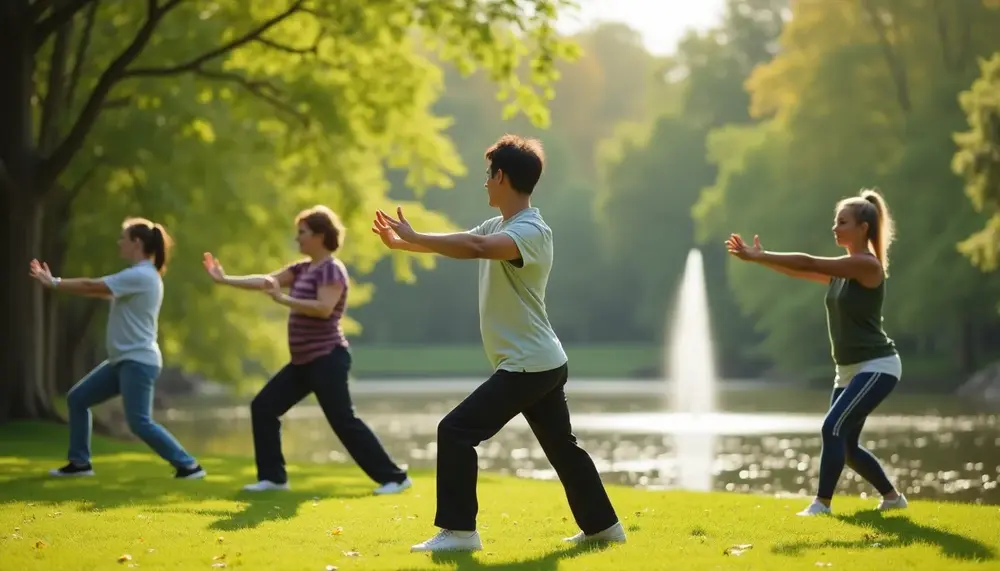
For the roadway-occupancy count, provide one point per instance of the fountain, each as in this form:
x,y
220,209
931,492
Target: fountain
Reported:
x,y
690,362
691,365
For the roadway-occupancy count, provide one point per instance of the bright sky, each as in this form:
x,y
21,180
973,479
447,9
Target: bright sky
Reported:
x,y
661,22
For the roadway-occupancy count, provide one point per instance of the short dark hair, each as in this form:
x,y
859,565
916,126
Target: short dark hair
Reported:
x,y
521,159
321,220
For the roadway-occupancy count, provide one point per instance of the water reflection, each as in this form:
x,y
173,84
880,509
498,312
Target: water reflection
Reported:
x,y
929,455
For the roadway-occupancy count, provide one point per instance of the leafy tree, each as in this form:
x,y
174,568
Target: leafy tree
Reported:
x,y
221,119
858,97
978,162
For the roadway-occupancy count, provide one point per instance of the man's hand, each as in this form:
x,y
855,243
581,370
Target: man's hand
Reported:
x,y
385,232
401,227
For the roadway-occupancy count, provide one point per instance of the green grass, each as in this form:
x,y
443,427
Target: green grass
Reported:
x,y
134,507
586,361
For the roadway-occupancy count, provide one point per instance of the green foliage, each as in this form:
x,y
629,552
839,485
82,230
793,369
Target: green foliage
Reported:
x,y
855,103
978,162
225,126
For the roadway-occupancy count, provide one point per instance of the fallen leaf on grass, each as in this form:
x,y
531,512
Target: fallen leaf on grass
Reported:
x,y
331,568
219,557
219,565
352,554
737,550
822,564
124,557
337,531
40,544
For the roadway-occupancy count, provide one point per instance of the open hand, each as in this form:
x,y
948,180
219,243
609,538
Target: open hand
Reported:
x,y
401,227
213,267
273,288
737,247
385,232
40,271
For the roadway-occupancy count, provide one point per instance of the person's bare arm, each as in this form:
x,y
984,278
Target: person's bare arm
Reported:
x,y
811,276
259,282
862,268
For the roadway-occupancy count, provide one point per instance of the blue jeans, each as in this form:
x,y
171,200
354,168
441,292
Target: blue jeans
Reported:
x,y
849,408
134,382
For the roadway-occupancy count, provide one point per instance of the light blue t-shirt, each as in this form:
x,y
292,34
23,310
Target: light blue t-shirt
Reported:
x,y
135,309
517,335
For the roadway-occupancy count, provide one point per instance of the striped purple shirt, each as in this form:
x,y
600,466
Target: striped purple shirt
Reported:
x,y
312,337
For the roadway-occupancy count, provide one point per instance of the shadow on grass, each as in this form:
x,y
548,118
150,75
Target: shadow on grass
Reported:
x,y
897,531
129,475
464,561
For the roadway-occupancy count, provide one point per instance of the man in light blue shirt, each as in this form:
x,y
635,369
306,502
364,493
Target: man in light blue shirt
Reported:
x,y
134,360
515,252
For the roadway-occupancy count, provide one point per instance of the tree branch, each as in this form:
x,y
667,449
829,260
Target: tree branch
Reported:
x,y
54,90
60,16
313,49
261,89
196,63
56,163
81,52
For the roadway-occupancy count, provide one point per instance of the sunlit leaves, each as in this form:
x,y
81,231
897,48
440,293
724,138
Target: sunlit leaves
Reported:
x,y
978,161
315,109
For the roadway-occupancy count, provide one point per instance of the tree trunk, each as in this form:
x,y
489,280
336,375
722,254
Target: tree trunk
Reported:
x,y
23,392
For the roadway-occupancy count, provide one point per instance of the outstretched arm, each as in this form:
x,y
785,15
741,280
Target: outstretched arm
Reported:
x,y
88,287
257,282
863,268
466,246
398,234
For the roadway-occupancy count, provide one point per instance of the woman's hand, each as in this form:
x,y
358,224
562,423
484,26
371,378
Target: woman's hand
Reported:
x,y
214,268
40,271
273,288
737,247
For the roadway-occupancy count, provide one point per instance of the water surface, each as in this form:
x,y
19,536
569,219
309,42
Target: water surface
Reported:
x,y
763,439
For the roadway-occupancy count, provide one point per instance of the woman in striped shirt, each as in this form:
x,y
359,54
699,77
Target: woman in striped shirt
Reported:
x,y
320,359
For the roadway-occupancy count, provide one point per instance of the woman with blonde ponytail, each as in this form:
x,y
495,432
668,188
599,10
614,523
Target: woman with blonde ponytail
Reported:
x,y
867,364
134,360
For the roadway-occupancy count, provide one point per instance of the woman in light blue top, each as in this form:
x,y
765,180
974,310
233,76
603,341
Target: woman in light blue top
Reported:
x,y
134,361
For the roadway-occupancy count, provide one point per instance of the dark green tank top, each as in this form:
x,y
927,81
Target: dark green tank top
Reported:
x,y
854,319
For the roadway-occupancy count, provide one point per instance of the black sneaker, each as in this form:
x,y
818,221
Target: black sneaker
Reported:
x,y
72,469
195,473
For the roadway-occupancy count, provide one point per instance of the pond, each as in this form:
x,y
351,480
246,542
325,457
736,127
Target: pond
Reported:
x,y
762,438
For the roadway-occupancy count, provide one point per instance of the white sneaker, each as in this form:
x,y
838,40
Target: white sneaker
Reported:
x,y
614,534
448,540
816,508
897,504
393,487
265,486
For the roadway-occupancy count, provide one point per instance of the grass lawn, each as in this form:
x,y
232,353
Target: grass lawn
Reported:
x,y
593,361
330,521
